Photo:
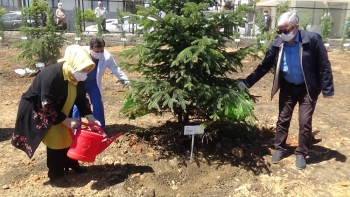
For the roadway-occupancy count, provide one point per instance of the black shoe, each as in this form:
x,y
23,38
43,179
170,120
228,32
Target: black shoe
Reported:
x,y
300,162
77,168
277,156
59,182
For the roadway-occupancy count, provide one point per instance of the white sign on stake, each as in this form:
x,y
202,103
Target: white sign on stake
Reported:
x,y
237,40
326,45
40,65
346,45
24,38
77,38
262,41
123,39
193,130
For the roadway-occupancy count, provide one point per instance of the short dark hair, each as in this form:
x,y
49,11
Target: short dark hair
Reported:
x,y
96,42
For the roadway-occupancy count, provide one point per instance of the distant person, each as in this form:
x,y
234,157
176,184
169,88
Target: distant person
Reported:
x,y
267,21
44,112
302,72
217,6
103,60
61,17
43,19
101,14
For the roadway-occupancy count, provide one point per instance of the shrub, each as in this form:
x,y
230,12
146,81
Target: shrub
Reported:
x,y
43,43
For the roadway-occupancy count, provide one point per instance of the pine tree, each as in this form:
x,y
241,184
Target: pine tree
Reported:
x,y
184,64
326,26
43,43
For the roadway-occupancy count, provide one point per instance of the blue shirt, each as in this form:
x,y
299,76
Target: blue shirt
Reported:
x,y
91,79
290,64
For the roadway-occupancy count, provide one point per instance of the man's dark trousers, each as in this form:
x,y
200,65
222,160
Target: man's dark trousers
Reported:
x,y
290,95
103,24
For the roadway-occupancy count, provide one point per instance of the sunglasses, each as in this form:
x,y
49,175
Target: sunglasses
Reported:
x,y
286,31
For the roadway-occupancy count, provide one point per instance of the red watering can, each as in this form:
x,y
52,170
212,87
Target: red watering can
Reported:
x,y
89,143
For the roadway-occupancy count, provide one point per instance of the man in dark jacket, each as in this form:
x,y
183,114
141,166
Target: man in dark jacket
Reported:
x,y
267,21
302,72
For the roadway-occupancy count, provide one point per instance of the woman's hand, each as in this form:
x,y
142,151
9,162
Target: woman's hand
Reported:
x,y
92,120
71,123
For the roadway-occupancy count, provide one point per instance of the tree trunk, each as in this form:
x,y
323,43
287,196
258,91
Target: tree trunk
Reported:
x,y
183,117
19,4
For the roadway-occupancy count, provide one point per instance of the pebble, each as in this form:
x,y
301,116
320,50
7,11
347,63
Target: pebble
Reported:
x,y
5,187
173,162
174,187
343,184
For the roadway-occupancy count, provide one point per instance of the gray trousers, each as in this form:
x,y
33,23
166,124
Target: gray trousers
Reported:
x,y
290,95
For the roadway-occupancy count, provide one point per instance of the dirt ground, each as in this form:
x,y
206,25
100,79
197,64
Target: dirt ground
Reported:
x,y
152,157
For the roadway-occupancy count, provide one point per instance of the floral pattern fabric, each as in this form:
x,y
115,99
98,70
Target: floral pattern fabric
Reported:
x,y
41,106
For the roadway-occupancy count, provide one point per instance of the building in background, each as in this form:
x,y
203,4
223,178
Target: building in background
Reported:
x,y
337,10
68,5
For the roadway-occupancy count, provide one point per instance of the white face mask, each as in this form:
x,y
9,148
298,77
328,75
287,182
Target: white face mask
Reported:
x,y
80,76
60,6
98,55
287,37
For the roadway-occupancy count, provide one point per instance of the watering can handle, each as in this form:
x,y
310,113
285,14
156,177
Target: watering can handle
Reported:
x,y
93,127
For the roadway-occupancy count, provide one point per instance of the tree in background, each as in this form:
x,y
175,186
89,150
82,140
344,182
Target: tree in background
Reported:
x,y
89,15
326,26
184,64
120,22
99,26
348,26
305,22
346,33
2,28
43,43
78,22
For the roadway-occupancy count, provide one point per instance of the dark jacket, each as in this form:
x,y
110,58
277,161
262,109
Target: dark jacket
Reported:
x,y
315,65
267,21
40,107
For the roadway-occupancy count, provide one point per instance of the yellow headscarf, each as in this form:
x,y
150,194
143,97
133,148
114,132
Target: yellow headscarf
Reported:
x,y
76,58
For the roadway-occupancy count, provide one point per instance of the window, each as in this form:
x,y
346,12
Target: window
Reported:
x,y
53,3
4,2
11,17
26,3
94,4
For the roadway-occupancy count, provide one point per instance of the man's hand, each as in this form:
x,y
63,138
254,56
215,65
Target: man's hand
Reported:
x,y
126,82
241,85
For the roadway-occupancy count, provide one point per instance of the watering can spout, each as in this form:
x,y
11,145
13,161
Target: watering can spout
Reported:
x,y
107,141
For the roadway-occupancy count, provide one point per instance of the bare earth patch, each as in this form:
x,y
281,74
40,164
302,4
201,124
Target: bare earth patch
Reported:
x,y
152,157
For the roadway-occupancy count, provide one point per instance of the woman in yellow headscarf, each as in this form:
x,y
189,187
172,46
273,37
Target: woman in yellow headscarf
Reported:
x,y
44,112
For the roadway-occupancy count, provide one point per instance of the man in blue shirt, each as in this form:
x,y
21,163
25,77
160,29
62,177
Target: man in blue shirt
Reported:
x,y
103,60
302,72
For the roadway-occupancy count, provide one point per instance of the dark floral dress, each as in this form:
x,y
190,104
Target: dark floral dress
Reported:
x,y
40,107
